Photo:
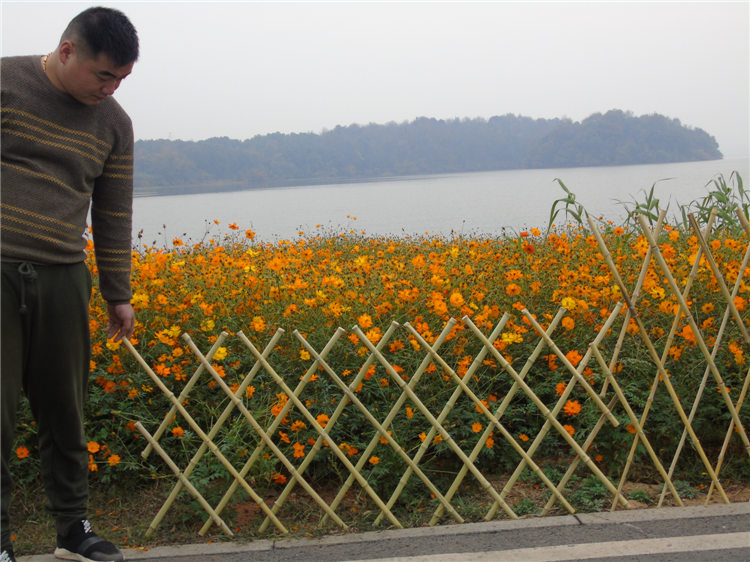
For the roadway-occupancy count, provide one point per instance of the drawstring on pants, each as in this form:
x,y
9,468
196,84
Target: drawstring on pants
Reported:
x,y
29,275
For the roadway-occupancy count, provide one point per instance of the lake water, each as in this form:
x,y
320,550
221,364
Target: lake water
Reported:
x,y
480,203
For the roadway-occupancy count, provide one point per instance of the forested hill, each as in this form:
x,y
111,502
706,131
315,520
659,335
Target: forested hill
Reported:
x,y
423,146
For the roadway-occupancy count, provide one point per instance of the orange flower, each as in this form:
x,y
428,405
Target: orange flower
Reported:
x,y
476,427
113,460
630,428
568,323
278,478
299,450
365,321
322,420
93,447
570,429
177,431
456,299
513,290
22,452
572,407
523,437
574,357
374,460
560,388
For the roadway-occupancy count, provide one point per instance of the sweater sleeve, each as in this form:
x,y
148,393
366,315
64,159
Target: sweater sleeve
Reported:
x,y
111,219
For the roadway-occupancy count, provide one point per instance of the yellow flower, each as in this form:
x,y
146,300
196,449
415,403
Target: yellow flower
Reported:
x,y
220,354
258,324
569,303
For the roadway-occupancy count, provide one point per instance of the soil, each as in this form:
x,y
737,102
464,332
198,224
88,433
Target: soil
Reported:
x,y
124,516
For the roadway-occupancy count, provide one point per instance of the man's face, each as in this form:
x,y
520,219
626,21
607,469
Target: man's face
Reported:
x,y
89,80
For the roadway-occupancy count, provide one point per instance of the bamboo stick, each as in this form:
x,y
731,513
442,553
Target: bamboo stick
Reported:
x,y
183,396
500,410
719,278
307,377
552,422
272,429
654,356
704,380
728,436
212,433
375,440
262,434
315,425
193,491
698,337
635,422
613,362
352,397
197,429
569,366
392,414
447,438
670,338
547,426
530,393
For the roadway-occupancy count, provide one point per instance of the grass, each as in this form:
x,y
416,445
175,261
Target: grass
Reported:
x,y
123,514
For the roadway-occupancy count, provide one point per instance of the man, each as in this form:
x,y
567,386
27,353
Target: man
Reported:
x,y
66,144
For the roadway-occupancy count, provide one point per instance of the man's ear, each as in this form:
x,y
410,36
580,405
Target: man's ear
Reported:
x,y
65,50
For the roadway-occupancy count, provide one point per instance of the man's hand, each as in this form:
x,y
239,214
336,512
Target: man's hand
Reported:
x,y
121,321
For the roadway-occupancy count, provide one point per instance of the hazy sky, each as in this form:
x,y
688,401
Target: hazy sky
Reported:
x,y
239,69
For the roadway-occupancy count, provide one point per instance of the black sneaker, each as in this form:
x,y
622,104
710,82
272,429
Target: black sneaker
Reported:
x,y
7,555
84,545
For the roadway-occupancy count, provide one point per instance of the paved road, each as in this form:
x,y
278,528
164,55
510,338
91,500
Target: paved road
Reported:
x,y
705,534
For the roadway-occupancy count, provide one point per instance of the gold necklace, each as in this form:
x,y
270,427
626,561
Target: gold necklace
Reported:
x,y
44,63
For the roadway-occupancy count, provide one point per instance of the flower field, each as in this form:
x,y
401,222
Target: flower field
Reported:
x,y
317,283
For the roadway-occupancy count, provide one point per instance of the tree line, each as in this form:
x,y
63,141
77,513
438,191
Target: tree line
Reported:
x,y
422,146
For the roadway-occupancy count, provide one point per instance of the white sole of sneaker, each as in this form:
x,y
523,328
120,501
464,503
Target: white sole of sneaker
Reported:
x,y
65,554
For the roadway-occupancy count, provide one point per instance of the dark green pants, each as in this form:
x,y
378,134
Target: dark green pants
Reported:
x,y
45,354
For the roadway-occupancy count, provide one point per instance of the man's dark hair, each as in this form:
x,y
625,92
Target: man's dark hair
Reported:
x,y
104,30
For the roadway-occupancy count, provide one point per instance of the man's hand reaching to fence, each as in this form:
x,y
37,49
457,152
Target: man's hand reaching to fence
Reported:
x,y
121,321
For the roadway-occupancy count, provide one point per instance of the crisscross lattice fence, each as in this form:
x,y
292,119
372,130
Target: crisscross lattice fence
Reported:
x,y
355,422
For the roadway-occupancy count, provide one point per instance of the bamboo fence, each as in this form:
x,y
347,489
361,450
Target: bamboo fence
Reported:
x,y
609,398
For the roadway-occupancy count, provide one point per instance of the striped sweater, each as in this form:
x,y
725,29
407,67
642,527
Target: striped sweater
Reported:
x,y
60,158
